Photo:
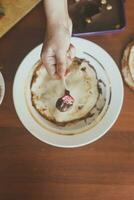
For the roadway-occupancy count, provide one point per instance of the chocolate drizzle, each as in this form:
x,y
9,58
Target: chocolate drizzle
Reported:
x,y
83,69
101,81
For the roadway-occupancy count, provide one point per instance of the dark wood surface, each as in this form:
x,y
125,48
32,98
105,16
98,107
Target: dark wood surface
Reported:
x,y
32,170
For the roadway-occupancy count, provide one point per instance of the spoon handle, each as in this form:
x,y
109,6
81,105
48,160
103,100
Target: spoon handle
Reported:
x,y
64,82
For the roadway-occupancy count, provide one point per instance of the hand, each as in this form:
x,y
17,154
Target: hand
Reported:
x,y
57,52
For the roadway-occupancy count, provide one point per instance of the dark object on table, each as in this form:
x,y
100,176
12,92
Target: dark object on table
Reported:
x,y
2,11
96,16
65,102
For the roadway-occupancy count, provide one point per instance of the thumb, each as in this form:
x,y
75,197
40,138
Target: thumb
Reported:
x,y
61,64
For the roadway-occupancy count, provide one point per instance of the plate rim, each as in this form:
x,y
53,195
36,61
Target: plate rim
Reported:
x,y
2,81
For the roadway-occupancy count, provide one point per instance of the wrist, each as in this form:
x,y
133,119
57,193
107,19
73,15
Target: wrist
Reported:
x,y
63,26
56,21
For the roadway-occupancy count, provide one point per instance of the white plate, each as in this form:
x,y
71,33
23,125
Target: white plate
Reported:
x,y
107,70
2,88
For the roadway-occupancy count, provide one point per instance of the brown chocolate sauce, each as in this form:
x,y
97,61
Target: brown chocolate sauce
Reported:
x,y
100,81
83,69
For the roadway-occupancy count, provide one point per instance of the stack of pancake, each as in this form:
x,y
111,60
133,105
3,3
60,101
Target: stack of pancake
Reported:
x,y
128,65
82,83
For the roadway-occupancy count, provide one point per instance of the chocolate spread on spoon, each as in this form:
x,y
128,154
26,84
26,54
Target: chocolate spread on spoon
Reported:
x,y
65,102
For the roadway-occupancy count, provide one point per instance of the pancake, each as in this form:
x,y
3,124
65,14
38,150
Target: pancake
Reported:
x,y
131,60
82,83
128,65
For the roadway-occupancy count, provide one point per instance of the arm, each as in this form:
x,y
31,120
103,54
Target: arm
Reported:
x,y
57,53
56,11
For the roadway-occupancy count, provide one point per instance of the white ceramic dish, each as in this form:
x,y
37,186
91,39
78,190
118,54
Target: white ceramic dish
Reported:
x,y
2,88
81,133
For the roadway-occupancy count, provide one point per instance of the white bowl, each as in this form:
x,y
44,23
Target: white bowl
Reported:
x,y
82,132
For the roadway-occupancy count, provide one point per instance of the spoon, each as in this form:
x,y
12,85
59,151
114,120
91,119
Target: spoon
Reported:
x,y
64,83
66,101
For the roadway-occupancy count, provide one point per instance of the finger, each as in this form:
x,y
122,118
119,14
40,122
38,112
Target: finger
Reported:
x,y
68,71
47,55
71,52
50,65
61,63
70,55
51,70
49,62
69,62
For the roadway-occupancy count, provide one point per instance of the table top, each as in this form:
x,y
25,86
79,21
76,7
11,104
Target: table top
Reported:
x,y
30,169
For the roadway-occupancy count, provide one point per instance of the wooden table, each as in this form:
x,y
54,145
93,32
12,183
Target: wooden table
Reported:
x,y
32,170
